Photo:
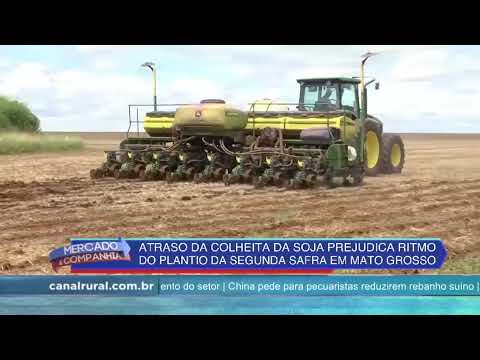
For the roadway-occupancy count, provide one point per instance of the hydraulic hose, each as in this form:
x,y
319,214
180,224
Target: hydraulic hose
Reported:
x,y
257,152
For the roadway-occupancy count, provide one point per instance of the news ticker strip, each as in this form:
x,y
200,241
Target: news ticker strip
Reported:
x,y
247,255
234,285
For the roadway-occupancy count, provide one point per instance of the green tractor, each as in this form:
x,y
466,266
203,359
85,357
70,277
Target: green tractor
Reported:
x,y
328,137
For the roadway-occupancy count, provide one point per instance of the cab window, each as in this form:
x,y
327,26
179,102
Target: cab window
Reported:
x,y
320,97
310,97
349,99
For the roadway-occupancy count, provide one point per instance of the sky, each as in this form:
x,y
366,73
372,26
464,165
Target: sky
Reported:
x,y
89,87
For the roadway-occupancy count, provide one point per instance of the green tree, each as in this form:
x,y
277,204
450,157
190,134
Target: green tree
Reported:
x,y
15,115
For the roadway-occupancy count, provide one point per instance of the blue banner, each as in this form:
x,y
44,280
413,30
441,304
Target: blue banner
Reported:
x,y
91,247
260,255
90,252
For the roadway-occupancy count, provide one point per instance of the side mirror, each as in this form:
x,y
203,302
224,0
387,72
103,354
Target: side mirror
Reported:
x,y
377,85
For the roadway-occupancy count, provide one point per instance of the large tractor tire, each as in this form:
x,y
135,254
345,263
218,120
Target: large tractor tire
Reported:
x,y
393,155
373,148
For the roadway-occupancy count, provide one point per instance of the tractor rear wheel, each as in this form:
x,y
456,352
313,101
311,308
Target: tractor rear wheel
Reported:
x,y
393,155
373,148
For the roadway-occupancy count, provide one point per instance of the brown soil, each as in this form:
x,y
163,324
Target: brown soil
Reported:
x,y
45,199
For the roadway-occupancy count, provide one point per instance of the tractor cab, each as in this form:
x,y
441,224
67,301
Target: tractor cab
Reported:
x,y
329,95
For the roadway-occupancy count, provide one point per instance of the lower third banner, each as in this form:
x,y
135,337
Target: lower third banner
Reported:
x,y
247,256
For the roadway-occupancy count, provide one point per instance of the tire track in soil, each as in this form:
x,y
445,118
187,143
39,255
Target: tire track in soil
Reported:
x,y
256,203
139,220
82,184
433,206
339,204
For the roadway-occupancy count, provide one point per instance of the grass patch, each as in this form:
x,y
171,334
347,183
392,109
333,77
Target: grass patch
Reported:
x,y
18,143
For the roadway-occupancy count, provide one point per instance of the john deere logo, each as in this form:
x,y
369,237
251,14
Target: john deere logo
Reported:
x,y
198,113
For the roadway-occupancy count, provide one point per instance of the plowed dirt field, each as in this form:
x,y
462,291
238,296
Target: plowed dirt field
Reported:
x,y
45,199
